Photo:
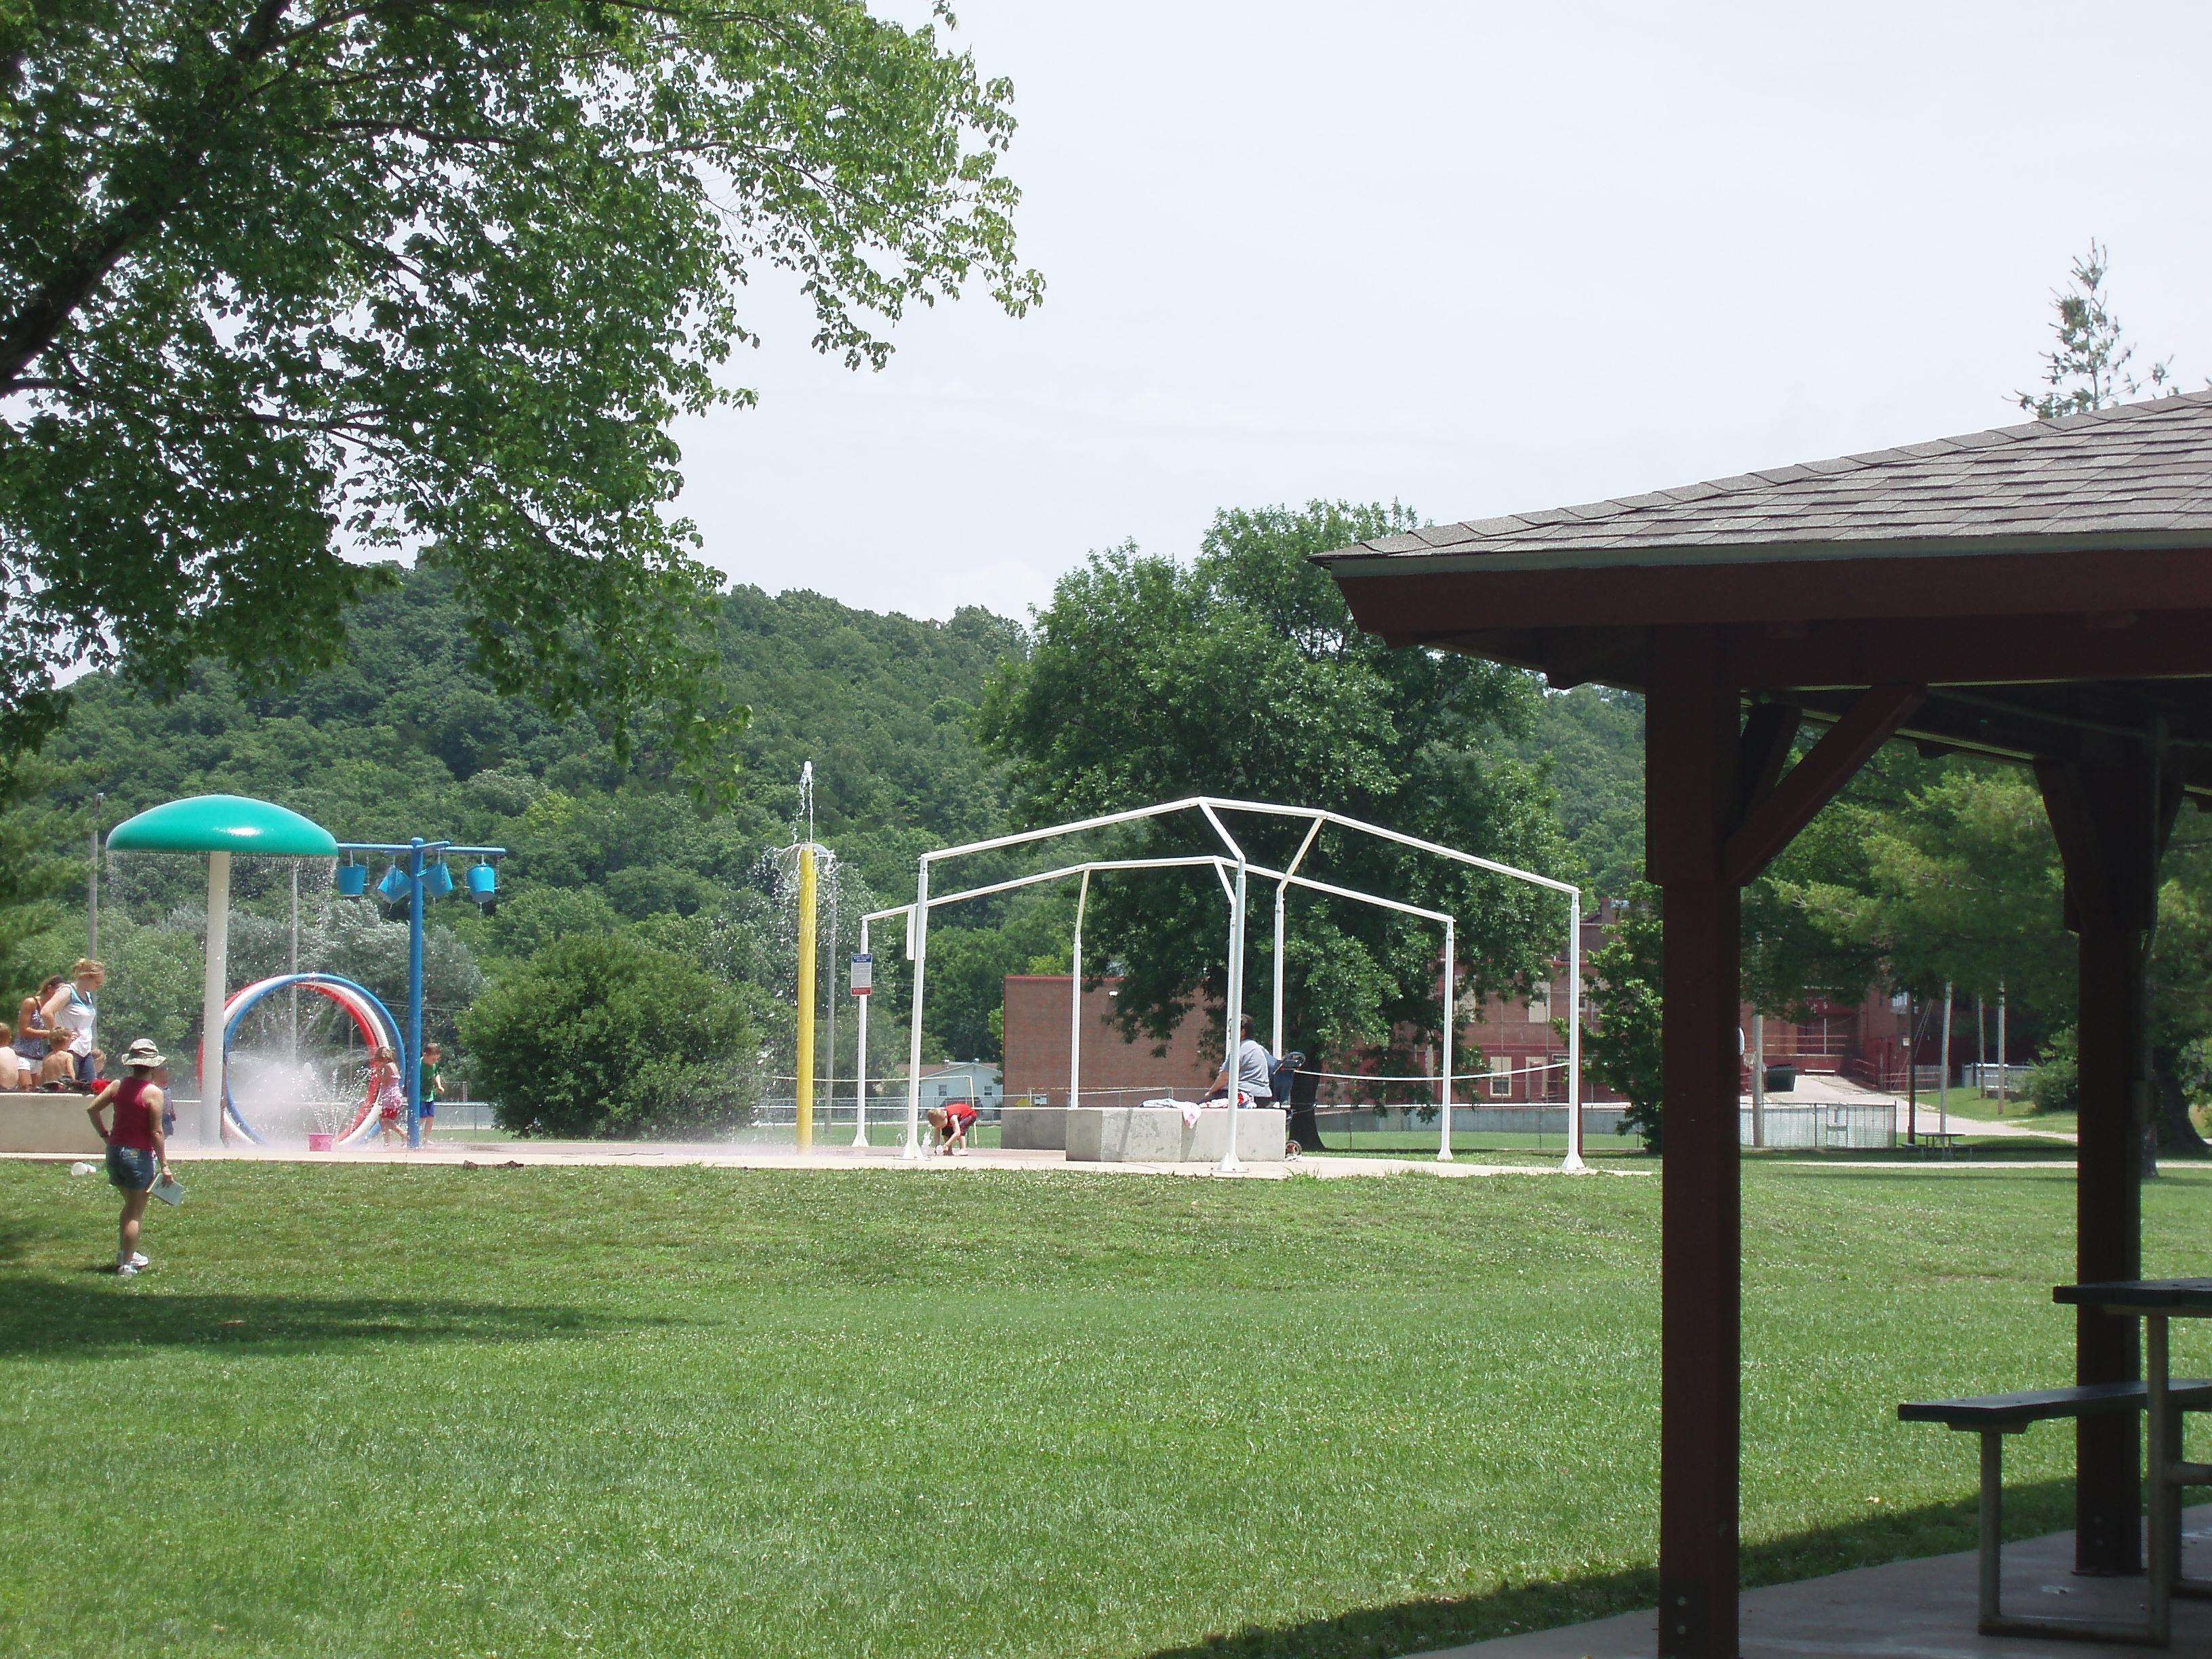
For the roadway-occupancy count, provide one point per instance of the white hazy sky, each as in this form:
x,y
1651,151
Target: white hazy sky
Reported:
x,y
1478,258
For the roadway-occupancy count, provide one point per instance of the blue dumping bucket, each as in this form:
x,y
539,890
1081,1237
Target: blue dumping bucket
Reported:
x,y
353,880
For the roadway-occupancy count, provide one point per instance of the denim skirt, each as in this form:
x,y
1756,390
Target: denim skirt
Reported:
x,y
130,1167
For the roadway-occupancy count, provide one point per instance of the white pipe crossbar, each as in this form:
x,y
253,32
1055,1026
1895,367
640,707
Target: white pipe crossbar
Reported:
x,y
1211,807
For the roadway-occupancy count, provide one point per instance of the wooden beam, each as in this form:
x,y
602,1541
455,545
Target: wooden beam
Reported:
x,y
1771,823
1978,650
1692,791
2105,584
1768,731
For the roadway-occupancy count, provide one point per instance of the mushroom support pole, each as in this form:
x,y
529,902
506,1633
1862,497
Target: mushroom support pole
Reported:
x,y
860,1059
213,995
1574,1160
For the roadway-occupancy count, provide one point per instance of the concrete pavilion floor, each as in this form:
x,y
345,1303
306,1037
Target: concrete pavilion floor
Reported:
x,y
729,1155
1923,1608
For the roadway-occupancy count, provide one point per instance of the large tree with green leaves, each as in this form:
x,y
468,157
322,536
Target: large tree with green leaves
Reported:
x,y
1241,673
284,282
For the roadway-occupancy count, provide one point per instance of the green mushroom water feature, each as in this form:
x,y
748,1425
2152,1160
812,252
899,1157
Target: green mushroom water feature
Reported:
x,y
220,826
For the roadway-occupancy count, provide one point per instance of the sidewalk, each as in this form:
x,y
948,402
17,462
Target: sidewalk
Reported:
x,y
725,1155
1925,1608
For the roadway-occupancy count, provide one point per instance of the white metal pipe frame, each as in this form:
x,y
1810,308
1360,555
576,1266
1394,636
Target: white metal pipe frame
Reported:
x,y
1235,889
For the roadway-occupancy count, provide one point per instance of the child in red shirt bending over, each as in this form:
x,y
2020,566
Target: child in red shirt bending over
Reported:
x,y
951,1122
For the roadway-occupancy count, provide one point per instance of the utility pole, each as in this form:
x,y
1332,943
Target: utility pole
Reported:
x,y
92,882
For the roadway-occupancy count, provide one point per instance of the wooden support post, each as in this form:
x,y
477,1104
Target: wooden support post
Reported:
x,y
2112,821
1693,796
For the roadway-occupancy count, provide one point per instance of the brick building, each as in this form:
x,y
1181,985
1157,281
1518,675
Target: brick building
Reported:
x,y
1037,1031
1521,1056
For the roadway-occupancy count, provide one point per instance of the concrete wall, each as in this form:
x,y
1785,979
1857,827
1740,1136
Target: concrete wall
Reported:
x,y
47,1123
1158,1134
1033,1129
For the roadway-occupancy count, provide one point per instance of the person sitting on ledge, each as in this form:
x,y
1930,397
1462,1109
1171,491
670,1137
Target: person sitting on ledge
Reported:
x,y
1252,1066
950,1123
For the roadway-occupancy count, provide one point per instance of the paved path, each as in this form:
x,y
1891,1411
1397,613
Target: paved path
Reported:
x,y
727,1155
1824,1089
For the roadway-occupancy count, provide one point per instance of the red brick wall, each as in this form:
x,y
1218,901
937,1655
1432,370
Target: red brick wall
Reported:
x,y
1036,1013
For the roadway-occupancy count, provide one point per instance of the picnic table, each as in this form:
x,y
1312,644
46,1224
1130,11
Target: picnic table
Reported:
x,y
2155,1302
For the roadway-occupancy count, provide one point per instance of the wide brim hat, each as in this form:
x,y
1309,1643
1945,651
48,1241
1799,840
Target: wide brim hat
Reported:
x,y
143,1052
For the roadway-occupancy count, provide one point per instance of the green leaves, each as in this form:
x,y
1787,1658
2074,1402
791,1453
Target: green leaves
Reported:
x,y
604,1034
296,282
1241,674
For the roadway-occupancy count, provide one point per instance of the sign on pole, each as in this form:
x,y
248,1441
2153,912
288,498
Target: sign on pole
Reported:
x,y
864,974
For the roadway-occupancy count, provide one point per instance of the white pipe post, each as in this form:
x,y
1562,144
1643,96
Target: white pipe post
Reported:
x,y
2004,1075
860,1050
1943,1071
1574,1163
1282,888
1758,1078
917,933
1230,1163
213,995
1075,1001
1451,1018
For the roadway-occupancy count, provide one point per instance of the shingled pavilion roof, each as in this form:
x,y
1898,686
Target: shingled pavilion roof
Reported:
x,y
2036,594
2136,476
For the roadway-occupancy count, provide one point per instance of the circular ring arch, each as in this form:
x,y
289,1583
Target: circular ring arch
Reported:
x,y
370,1017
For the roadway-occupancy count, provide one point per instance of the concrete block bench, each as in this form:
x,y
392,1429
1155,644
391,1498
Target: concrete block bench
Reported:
x,y
35,1122
1033,1129
1158,1134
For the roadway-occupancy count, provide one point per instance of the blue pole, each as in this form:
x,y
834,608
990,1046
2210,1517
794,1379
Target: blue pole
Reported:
x,y
413,1058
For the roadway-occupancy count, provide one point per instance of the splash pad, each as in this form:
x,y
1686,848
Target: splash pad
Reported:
x,y
319,1089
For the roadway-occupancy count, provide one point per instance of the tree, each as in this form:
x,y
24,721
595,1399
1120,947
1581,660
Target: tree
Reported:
x,y
605,1035
2089,369
1621,1045
1241,673
282,282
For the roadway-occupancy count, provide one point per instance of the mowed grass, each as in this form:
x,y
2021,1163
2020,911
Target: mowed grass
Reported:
x,y
434,1411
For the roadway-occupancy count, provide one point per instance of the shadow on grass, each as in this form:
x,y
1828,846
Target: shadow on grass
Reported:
x,y
91,1315
1416,1627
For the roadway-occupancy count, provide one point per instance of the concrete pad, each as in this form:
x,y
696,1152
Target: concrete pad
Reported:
x,y
1925,1608
1159,1134
1033,1129
39,1123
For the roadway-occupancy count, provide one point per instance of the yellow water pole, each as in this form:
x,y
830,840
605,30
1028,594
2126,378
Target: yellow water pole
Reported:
x,y
806,998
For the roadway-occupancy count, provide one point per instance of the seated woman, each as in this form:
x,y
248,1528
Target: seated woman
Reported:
x,y
11,1065
950,1123
46,1061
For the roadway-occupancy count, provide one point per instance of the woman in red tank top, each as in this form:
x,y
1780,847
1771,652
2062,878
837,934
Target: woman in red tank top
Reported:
x,y
137,1149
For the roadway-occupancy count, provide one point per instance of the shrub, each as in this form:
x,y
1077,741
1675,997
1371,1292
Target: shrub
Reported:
x,y
604,1035
2055,1085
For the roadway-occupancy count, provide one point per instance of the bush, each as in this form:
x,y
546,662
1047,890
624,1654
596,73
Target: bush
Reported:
x,y
603,1035
2055,1085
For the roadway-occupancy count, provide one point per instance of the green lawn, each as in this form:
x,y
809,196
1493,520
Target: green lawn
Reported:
x,y
431,1411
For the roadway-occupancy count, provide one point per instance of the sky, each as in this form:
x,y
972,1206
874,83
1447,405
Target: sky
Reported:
x,y
1475,257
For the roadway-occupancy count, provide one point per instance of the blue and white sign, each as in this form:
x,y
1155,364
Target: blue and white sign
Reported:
x,y
864,975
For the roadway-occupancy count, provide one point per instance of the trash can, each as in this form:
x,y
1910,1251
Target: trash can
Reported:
x,y
1780,1079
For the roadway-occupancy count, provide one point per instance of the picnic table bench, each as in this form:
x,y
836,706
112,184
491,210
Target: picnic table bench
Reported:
x,y
1993,1416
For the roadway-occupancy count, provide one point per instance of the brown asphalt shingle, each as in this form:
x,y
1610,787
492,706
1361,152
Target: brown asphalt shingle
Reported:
x,y
2139,474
